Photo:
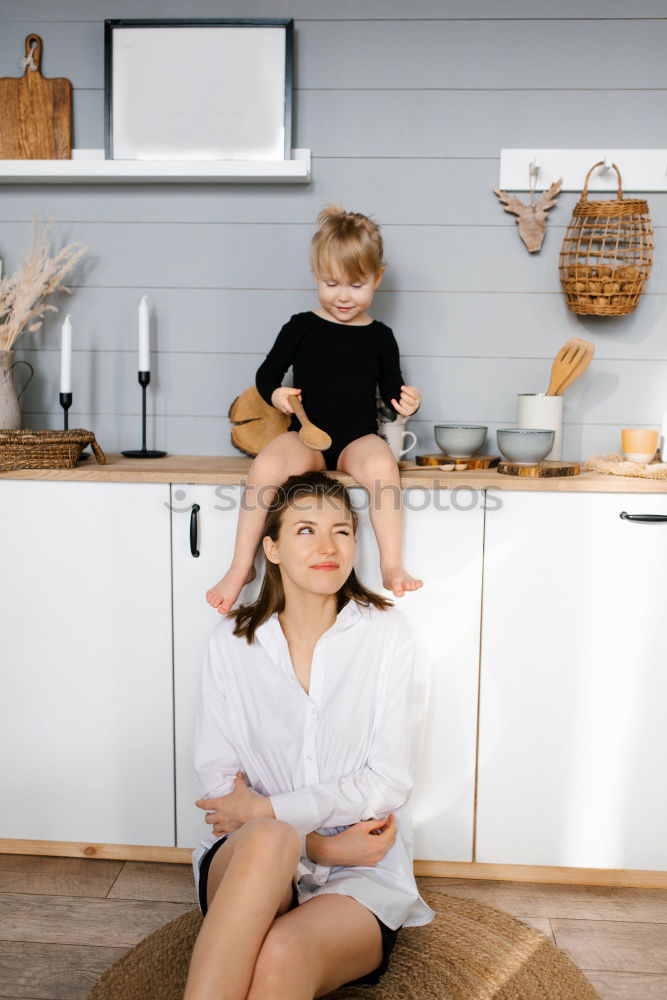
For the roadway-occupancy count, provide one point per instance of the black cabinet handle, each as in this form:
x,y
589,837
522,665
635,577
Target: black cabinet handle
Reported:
x,y
193,530
642,517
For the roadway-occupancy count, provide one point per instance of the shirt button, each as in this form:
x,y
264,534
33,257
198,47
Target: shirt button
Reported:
x,y
312,711
309,757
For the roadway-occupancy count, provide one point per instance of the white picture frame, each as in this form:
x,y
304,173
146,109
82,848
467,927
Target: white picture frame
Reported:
x,y
198,89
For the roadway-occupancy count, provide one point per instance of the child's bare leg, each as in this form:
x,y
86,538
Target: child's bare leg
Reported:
x,y
370,461
286,455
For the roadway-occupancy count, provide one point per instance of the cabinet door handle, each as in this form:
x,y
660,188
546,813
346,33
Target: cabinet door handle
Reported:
x,y
642,517
193,530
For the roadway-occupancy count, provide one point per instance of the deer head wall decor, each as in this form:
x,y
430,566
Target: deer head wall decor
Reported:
x,y
531,218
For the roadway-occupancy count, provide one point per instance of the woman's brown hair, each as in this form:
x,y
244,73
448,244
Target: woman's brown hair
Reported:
x,y
272,595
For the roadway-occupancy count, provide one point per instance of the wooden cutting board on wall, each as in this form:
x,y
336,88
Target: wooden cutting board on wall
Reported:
x,y
35,113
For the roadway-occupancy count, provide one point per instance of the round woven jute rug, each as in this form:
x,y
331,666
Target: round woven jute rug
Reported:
x,y
470,951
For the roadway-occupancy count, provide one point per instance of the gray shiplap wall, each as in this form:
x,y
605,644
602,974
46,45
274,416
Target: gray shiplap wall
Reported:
x,y
405,117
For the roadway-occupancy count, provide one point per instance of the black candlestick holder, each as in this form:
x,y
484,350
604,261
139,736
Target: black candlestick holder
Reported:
x,y
143,452
65,402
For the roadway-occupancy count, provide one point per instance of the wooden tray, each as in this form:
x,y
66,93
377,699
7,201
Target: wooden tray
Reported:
x,y
433,461
540,469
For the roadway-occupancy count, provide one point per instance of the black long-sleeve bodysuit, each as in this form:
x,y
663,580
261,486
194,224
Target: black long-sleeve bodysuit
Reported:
x,y
337,367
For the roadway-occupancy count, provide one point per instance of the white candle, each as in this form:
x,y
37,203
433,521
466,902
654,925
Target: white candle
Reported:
x,y
143,335
66,356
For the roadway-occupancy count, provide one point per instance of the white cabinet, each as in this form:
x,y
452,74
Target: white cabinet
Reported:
x,y
194,619
443,545
572,737
86,711
97,709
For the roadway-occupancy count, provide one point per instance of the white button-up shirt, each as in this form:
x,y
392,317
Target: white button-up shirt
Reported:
x,y
342,753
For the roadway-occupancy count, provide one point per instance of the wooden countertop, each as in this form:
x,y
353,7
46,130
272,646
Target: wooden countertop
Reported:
x,y
227,469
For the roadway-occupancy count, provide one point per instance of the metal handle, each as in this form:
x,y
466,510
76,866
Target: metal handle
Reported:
x,y
642,517
193,531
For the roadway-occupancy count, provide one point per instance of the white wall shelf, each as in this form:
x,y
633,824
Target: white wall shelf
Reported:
x,y
89,166
641,169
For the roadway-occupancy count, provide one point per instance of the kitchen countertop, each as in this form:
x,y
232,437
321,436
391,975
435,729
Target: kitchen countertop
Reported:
x,y
205,469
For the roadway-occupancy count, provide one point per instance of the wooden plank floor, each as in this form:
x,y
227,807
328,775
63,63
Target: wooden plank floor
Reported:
x,y
63,921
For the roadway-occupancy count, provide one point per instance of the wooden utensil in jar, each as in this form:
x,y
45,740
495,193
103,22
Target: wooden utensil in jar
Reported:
x,y
580,368
564,364
312,436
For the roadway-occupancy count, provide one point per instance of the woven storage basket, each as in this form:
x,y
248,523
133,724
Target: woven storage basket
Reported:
x,y
44,449
606,254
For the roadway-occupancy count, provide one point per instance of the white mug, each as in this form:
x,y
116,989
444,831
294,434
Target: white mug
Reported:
x,y
536,409
395,434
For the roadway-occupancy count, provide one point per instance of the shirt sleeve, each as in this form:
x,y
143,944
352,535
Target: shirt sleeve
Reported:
x,y
390,378
272,370
385,781
216,758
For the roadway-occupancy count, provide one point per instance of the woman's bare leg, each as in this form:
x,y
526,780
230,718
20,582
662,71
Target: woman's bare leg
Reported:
x,y
370,461
286,455
249,881
329,940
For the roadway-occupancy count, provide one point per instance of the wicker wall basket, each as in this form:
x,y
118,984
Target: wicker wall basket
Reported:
x,y
45,449
606,254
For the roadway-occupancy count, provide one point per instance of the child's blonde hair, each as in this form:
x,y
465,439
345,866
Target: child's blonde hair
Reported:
x,y
347,243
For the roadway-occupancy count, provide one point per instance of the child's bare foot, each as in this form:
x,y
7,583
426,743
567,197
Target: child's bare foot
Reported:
x,y
399,580
223,595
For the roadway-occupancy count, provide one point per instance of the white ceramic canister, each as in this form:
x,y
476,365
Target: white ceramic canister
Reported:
x,y
536,409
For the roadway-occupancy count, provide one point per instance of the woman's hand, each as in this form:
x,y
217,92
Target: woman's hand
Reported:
x,y
229,812
280,398
357,845
409,402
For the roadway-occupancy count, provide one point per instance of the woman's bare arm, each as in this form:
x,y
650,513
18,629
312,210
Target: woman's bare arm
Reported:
x,y
363,843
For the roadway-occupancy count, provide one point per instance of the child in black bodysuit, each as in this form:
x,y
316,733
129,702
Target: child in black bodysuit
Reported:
x,y
339,355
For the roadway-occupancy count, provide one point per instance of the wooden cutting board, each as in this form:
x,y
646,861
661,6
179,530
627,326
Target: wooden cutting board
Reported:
x,y
429,462
35,113
540,469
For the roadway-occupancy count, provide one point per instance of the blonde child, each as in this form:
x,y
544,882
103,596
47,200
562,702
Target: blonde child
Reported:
x,y
339,355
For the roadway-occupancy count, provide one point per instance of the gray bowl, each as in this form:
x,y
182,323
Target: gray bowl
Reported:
x,y
460,440
525,445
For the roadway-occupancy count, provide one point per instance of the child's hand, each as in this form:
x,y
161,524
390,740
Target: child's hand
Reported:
x,y
280,398
409,402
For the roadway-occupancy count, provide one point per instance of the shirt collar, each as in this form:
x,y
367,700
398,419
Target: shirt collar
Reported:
x,y
270,630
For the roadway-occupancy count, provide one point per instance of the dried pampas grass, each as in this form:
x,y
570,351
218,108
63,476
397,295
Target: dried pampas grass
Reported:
x,y
23,294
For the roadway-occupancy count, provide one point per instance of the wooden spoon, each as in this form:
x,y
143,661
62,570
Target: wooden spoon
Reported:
x,y
580,368
564,363
312,436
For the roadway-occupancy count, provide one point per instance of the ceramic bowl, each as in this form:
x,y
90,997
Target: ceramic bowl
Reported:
x,y
460,440
525,445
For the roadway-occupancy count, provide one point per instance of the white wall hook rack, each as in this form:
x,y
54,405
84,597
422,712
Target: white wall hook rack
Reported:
x,y
641,169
